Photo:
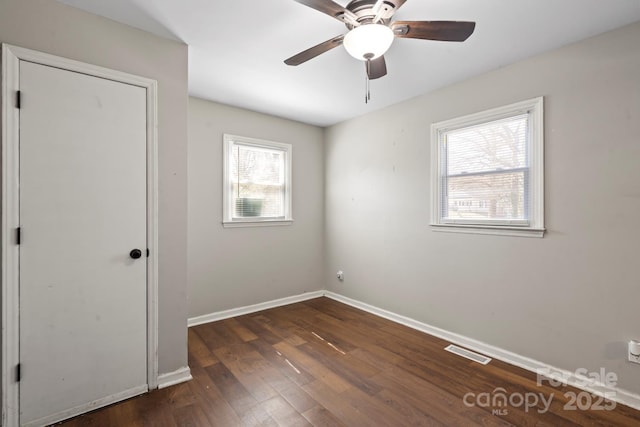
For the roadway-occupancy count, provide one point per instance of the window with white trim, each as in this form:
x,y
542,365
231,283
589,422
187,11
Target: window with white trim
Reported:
x,y
257,182
487,171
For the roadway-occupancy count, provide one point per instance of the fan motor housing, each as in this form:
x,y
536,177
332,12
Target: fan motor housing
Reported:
x,y
363,9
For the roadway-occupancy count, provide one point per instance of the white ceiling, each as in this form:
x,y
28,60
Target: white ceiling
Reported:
x,y
237,47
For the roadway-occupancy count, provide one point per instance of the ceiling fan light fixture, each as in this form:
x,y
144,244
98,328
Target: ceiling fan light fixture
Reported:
x,y
368,41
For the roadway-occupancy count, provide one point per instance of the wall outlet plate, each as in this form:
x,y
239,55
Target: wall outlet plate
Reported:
x,y
634,351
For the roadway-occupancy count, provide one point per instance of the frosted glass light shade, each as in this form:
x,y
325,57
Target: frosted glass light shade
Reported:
x,y
368,41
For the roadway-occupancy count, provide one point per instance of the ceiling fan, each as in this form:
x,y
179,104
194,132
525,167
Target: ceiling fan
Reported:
x,y
371,31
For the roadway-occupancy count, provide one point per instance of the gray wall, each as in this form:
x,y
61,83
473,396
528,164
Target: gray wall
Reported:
x,y
235,267
53,28
569,299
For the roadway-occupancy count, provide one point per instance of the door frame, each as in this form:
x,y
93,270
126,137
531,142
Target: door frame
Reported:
x,y
9,184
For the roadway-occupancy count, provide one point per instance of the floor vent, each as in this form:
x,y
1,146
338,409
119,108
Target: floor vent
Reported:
x,y
468,354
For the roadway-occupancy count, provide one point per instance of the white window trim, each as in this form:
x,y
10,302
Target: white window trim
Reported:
x,y
534,227
227,218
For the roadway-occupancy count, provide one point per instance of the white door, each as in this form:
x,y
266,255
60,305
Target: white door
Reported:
x,y
83,302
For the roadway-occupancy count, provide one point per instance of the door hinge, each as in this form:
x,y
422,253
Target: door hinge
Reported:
x,y
18,372
18,235
18,99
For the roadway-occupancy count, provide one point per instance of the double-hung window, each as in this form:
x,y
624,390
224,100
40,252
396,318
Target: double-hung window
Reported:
x,y
257,182
487,171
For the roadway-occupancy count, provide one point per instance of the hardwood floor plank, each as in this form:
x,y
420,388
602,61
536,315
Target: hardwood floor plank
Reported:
x,y
216,408
247,369
298,398
355,372
323,363
257,416
240,330
315,367
306,328
199,353
321,417
280,328
233,391
226,335
377,411
209,337
191,416
284,414
296,374
381,359
444,407
412,415
334,403
256,327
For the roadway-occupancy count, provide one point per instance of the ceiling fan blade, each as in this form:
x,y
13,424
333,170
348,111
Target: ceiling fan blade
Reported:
x,y
376,68
314,51
451,31
332,9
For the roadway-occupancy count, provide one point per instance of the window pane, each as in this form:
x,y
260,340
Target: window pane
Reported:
x,y
492,146
257,182
480,197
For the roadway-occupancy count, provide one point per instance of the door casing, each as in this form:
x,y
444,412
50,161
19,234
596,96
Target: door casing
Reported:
x,y
9,249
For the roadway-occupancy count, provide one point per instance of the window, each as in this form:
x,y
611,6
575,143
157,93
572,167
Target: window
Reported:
x,y
487,171
257,182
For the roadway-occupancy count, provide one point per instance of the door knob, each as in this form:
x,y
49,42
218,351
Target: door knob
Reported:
x,y
135,253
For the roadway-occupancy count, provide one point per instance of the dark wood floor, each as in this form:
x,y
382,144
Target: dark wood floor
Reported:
x,y
323,363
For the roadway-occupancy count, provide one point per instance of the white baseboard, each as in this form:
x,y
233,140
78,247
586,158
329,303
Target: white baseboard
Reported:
x,y
226,314
96,404
176,377
616,394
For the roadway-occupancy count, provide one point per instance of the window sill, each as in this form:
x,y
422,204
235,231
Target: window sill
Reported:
x,y
488,229
257,223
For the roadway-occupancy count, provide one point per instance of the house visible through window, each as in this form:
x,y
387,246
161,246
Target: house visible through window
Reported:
x,y
257,184
487,171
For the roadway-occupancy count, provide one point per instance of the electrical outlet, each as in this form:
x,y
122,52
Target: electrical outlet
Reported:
x,y
634,351
340,275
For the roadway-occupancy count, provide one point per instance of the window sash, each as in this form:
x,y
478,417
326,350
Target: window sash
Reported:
x,y
238,182
444,199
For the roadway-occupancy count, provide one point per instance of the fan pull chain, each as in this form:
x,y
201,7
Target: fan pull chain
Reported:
x,y
367,90
367,84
